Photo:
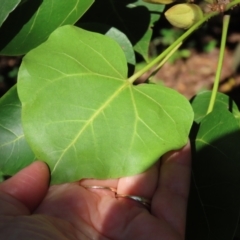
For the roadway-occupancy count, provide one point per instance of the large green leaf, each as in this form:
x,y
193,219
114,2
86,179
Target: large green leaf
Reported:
x,y
33,21
15,153
85,119
134,18
7,6
214,203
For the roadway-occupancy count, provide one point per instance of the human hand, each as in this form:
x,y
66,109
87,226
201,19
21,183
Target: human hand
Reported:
x,y
30,209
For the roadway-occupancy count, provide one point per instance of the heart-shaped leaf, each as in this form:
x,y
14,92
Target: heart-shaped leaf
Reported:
x,y
7,6
33,21
85,119
15,153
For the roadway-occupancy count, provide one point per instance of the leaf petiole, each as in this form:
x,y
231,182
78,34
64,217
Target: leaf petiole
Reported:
x,y
158,59
226,20
164,60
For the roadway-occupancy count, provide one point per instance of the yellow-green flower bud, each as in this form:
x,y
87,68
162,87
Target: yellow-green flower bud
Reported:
x,y
160,1
184,15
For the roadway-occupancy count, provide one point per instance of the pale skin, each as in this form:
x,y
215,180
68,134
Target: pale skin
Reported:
x,y
30,209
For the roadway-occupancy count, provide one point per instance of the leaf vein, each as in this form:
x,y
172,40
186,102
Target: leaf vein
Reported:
x,y
74,9
91,119
157,103
105,59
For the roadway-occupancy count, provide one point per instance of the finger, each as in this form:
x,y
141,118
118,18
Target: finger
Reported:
x,y
29,186
143,184
170,200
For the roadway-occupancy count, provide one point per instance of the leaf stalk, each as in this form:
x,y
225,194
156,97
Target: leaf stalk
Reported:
x,y
226,20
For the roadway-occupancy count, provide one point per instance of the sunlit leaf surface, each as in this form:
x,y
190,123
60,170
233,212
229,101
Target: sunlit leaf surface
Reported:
x,y
82,116
115,34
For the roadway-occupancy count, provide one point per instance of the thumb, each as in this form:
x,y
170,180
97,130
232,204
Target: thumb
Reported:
x,y
29,186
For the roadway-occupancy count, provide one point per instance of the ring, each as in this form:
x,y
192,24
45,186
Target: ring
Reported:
x,y
145,202
100,187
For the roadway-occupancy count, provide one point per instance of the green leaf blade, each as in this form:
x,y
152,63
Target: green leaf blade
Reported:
x,y
82,116
165,101
115,34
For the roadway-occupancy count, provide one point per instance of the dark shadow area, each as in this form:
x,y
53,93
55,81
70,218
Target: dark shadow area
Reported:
x,y
214,201
235,95
132,21
8,72
16,20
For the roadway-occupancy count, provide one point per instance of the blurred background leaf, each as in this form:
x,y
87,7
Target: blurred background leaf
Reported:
x,y
33,21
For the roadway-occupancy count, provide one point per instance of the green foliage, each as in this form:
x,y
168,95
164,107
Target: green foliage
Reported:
x,y
117,36
223,102
180,54
96,108
33,21
95,105
208,47
214,202
169,35
133,18
77,107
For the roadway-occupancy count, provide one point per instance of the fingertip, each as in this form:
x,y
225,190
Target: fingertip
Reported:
x,y
181,156
29,185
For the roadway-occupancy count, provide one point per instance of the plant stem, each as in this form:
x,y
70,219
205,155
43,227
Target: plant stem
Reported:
x,y
164,60
168,50
232,4
158,59
226,20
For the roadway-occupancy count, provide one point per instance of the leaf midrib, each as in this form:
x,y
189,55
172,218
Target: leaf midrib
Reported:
x,y
94,116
